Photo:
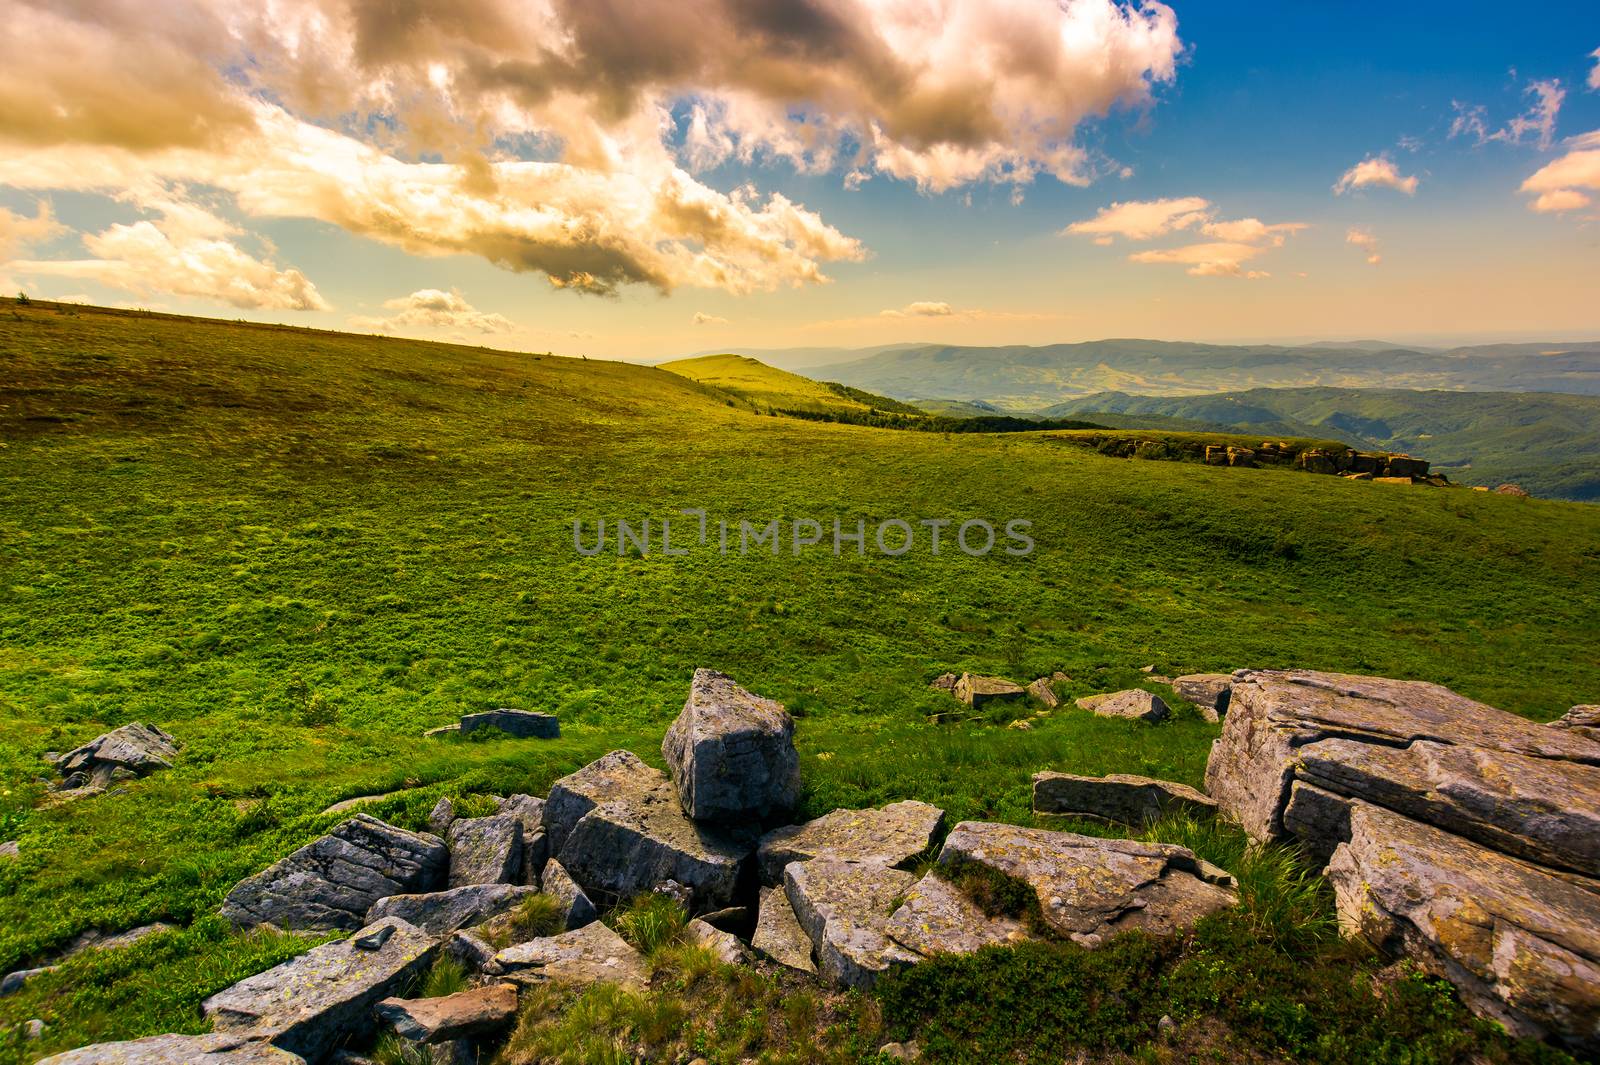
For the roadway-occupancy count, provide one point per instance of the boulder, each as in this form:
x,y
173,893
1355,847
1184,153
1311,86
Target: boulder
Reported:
x,y
731,753
844,908
10,849
1241,456
1216,455
588,955
725,945
486,850
214,1049
978,692
618,775
442,912
944,682
1209,692
136,747
894,835
324,998
482,1011
525,724
1582,720
1405,466
442,816
1120,797
529,810
1521,944
576,908
1087,887
332,882
1134,703
1315,460
470,947
443,732
1043,689
937,918
15,981
778,933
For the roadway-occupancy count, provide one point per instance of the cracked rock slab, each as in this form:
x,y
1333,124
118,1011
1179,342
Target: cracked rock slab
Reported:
x,y
778,933
618,775
895,835
479,1012
979,691
332,882
486,850
524,724
1119,797
442,912
937,918
588,955
1521,944
1136,704
179,1050
1088,887
731,752
844,908
324,998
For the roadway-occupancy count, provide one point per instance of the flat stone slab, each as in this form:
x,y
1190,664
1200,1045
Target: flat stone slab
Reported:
x,y
617,775
442,912
896,835
215,1049
778,933
1135,704
332,882
979,691
324,998
1521,944
482,1011
731,752
936,918
525,724
1088,888
1119,797
486,850
844,908
1209,692
588,955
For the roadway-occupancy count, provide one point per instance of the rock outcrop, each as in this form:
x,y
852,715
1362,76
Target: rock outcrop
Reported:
x,y
132,751
1583,720
442,912
618,775
1209,692
472,1014
1135,703
525,724
214,1049
895,835
731,753
844,908
1043,689
332,882
588,955
1119,797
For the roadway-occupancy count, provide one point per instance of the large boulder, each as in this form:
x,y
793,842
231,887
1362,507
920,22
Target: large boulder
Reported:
x,y
324,998
1120,797
979,691
442,912
527,724
1135,704
588,955
1209,692
844,907
472,1014
213,1049
895,835
1088,888
937,918
1520,943
486,850
529,810
731,753
618,775
332,882
136,746
778,934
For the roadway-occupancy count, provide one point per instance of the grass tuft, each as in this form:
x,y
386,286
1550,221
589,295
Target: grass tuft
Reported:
x,y
649,922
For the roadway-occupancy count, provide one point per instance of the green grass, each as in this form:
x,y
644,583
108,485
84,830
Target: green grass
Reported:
x,y
768,388
216,527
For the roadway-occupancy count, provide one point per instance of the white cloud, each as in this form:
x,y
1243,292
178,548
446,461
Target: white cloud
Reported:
x,y
1594,71
922,309
433,308
1252,231
19,231
1363,239
702,318
1143,219
1375,171
1539,120
1220,259
1566,183
1238,240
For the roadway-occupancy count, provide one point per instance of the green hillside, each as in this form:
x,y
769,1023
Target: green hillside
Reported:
x,y
769,388
297,550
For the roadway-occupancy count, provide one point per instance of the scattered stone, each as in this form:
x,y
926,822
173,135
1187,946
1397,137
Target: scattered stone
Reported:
x,y
618,775
1088,888
1209,692
588,955
486,850
724,945
1512,490
1521,944
324,998
1119,797
33,1031
443,732
844,908
731,753
576,908
729,919
1134,703
524,724
441,817
936,918
473,1014
346,805
1581,720
1166,1025
442,912
907,1051
9,850
332,882
681,894
778,933
978,692
944,682
13,982
125,753
894,835
1043,689
214,1049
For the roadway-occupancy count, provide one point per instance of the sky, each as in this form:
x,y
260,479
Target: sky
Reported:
x,y
647,178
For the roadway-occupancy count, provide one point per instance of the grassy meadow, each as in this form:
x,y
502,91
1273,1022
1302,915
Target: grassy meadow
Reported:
x,y
297,550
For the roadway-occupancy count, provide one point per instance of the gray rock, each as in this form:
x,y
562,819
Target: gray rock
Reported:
x,y
324,998
486,850
576,908
482,1011
618,775
844,908
136,746
13,982
588,955
978,692
1209,692
442,816
1521,944
778,933
1119,797
1088,888
441,912
1135,703
333,882
896,835
936,918
215,1049
907,1051
526,724
725,945
1043,689
731,753
471,948
529,810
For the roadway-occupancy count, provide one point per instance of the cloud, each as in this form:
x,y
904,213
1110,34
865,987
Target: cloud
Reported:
x,y
702,318
433,308
19,231
1565,184
1220,259
1375,171
1364,240
922,309
1238,240
1539,120
1142,219
1252,231
1594,71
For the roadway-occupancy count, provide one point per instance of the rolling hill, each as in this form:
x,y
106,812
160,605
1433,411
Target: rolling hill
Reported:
x,y
769,388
